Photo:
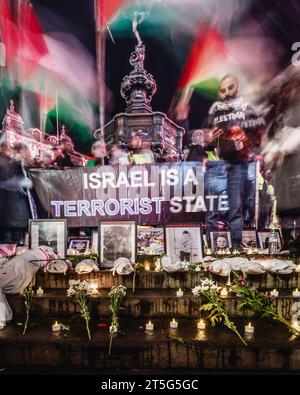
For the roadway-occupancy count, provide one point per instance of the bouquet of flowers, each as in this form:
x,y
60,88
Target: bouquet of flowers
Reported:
x,y
260,303
80,291
209,290
117,295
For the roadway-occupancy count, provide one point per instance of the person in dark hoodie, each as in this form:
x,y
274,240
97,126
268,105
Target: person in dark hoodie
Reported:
x,y
14,209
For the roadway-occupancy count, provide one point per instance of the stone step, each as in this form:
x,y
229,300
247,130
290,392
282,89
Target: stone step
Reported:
x,y
141,304
162,280
216,349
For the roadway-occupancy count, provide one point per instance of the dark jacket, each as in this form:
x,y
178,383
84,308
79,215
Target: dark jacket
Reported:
x,y
14,206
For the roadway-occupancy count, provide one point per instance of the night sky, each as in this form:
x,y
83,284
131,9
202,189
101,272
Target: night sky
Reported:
x,y
280,20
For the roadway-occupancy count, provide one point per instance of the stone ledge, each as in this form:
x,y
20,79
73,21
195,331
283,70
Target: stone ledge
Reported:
x,y
141,304
162,280
220,349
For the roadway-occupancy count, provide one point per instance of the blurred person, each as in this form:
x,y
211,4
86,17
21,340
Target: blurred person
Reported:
x,y
15,205
118,155
141,149
61,159
99,153
282,152
236,132
196,151
46,161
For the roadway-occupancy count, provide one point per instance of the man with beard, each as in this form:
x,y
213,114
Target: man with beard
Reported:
x,y
235,131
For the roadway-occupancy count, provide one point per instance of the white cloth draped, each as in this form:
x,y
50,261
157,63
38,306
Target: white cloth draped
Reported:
x,y
17,273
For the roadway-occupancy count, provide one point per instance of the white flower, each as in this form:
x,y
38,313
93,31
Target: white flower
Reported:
x,y
205,285
77,286
118,289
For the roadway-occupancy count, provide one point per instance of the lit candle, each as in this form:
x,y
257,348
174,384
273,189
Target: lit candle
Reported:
x,y
149,326
198,269
39,291
201,324
208,251
274,293
147,267
249,329
224,292
179,293
296,293
94,288
228,251
56,327
250,251
173,324
235,252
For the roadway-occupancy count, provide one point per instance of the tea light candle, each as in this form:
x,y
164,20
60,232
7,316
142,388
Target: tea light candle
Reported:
x,y
201,324
249,329
235,252
56,327
224,292
173,324
228,252
179,293
274,293
296,293
208,251
94,288
39,291
149,326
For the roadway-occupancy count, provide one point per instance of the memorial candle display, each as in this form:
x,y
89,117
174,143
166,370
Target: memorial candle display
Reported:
x,y
201,324
173,324
249,329
39,291
149,326
296,293
224,292
274,293
56,327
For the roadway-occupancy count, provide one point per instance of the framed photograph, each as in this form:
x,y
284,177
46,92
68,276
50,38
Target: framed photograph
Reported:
x,y
116,239
264,236
150,240
249,239
80,244
95,241
220,240
184,242
49,232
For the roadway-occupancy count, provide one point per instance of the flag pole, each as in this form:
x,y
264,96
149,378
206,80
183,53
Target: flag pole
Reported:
x,y
57,120
100,52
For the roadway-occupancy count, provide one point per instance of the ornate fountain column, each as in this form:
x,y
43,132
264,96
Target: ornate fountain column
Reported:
x,y
163,135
